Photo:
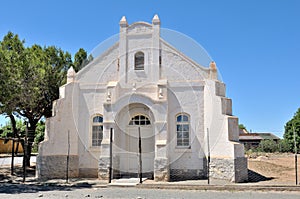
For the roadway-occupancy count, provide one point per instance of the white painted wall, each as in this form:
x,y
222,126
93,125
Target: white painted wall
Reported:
x,y
184,85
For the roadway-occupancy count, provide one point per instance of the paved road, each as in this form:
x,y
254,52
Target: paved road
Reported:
x,y
17,160
135,193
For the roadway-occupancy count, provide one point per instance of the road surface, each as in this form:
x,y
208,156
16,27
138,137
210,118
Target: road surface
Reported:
x,y
136,193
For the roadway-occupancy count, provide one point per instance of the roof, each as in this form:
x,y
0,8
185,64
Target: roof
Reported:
x,y
269,136
258,136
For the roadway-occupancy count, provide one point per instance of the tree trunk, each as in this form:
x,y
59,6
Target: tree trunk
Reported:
x,y
30,140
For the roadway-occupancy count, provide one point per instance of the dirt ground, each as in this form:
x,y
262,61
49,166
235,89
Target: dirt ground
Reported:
x,y
279,168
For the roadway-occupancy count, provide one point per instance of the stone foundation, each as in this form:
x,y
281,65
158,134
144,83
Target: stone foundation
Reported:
x,y
103,169
187,174
51,167
234,170
161,169
88,172
241,169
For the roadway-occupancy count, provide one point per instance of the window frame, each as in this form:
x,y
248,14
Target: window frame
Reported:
x,y
139,66
182,125
133,121
99,137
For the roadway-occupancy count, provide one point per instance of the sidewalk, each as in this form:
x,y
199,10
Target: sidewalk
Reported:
x,y
216,185
220,185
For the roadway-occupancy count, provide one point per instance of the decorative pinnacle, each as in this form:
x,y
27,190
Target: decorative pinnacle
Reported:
x,y
71,71
156,19
71,75
123,21
213,65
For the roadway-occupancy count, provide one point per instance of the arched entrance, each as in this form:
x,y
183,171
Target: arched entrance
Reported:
x,y
130,119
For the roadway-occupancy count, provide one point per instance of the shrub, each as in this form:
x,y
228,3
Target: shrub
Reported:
x,y
269,146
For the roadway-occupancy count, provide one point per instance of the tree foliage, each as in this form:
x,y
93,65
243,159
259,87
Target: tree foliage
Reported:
x,y
269,146
290,127
30,78
81,59
242,126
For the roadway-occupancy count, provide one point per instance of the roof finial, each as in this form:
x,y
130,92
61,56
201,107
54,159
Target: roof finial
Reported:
x,y
212,65
123,21
213,70
156,20
71,75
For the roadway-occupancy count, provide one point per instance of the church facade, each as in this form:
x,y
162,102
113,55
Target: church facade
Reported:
x,y
143,88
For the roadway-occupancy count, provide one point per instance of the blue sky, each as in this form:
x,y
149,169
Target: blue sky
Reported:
x,y
255,43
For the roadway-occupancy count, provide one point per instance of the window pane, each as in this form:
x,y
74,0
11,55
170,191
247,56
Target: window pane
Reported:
x,y
97,119
185,118
179,135
179,143
179,127
185,134
97,135
179,118
185,127
139,61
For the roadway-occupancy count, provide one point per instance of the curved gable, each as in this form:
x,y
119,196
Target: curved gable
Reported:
x,y
139,27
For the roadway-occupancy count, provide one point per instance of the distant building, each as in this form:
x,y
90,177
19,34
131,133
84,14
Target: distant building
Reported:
x,y
252,140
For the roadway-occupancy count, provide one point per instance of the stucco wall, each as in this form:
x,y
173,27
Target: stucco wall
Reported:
x,y
109,85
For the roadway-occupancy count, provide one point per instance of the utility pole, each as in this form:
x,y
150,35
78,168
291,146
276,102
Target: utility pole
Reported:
x,y
208,157
68,157
12,156
110,156
140,156
25,152
296,160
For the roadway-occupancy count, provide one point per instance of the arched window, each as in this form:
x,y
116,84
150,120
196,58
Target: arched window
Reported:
x,y
97,131
139,61
140,120
183,130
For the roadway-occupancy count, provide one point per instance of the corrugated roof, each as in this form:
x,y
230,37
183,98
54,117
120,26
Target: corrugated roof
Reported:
x,y
269,136
258,136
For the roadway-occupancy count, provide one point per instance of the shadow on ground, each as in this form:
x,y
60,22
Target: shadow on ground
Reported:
x,y
256,177
15,188
12,184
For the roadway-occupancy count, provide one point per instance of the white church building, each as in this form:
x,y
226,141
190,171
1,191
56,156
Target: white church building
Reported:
x,y
143,87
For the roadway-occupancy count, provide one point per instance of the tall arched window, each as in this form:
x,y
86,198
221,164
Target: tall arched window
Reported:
x,y
139,61
97,131
183,130
140,120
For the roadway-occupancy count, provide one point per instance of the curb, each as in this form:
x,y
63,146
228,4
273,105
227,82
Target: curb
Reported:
x,y
221,187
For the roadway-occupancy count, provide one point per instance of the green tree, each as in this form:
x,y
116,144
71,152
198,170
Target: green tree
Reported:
x,y
29,81
39,135
284,146
81,59
12,57
241,126
268,146
289,128
41,79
